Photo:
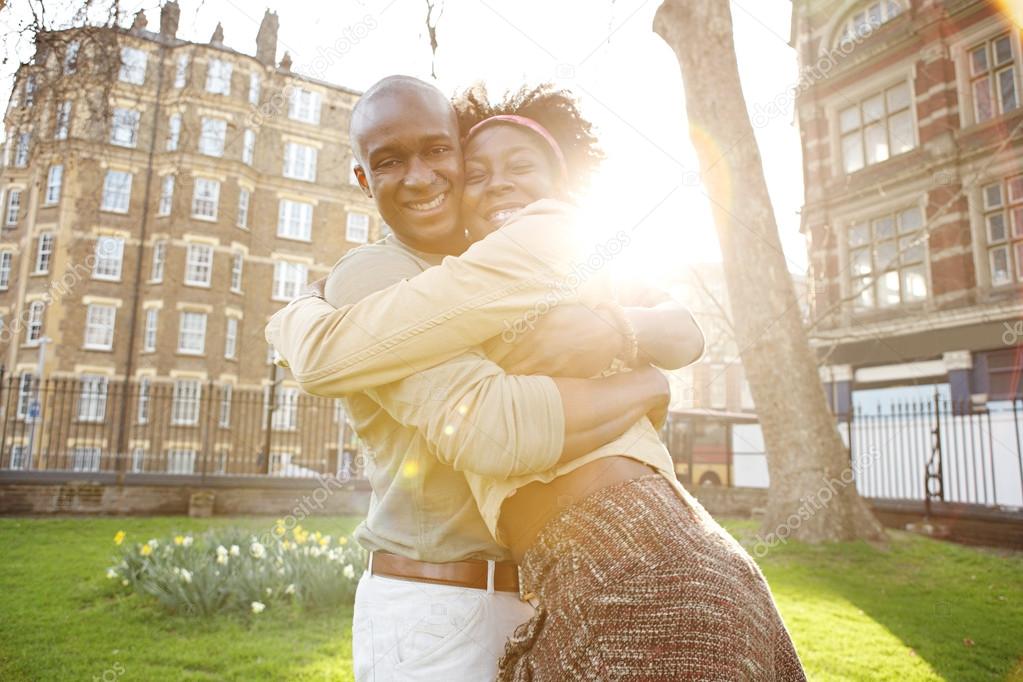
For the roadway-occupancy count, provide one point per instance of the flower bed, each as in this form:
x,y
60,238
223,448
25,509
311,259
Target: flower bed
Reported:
x,y
232,571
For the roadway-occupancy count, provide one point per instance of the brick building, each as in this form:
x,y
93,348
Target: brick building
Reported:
x,y
909,113
157,210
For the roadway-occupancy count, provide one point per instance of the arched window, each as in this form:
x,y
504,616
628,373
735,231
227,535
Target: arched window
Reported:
x,y
866,18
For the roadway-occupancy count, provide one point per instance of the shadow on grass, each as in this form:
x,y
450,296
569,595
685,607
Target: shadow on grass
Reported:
x,y
957,609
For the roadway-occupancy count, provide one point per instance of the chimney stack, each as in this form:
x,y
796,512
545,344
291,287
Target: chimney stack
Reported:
x,y
266,39
169,15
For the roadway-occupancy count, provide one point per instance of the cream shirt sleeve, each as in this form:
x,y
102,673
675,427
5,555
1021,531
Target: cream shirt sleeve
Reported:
x,y
521,269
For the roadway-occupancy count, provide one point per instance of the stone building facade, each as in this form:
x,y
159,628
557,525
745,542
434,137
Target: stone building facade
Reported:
x,y
910,118
160,199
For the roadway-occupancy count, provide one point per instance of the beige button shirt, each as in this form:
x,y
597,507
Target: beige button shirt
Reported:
x,y
393,339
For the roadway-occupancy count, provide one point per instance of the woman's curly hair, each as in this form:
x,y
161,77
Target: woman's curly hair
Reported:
x,y
556,110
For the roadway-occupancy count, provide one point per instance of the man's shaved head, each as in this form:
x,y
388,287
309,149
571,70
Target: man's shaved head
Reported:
x,y
391,88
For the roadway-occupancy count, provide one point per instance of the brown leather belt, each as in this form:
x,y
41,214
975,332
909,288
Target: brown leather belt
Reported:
x,y
471,573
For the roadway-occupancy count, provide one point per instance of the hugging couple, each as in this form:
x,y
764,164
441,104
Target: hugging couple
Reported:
x,y
525,522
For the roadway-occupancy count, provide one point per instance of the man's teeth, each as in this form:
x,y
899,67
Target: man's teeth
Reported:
x,y
502,215
429,204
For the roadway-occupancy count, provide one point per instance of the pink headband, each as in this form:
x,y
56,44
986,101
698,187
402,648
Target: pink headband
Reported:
x,y
531,125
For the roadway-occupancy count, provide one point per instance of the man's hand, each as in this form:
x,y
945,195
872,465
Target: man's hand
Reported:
x,y
571,340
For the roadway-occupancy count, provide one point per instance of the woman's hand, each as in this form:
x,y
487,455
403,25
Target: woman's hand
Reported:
x,y
571,340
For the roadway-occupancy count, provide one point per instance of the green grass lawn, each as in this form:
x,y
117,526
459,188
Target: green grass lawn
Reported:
x,y
916,610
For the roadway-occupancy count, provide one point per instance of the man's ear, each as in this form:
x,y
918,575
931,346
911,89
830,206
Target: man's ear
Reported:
x,y
360,175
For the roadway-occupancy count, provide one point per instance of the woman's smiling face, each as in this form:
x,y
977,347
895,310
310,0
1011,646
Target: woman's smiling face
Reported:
x,y
506,168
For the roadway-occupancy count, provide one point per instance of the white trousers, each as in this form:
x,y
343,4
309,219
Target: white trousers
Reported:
x,y
407,630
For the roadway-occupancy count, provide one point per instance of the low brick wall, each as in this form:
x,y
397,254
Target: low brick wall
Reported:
x,y
45,493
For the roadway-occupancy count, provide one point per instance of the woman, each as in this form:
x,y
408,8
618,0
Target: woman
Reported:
x,y
634,580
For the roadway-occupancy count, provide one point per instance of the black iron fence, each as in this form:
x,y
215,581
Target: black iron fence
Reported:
x,y
184,426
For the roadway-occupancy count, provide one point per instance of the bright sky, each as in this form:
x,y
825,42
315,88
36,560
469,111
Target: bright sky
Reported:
x,y
603,50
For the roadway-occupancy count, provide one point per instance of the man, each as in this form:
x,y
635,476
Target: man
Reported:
x,y
440,598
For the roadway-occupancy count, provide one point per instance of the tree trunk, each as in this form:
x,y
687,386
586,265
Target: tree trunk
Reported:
x,y
812,495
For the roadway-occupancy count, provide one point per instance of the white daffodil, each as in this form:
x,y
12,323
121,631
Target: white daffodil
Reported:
x,y
111,573
235,550
187,542
258,606
186,575
257,550
290,589
348,571
153,543
222,555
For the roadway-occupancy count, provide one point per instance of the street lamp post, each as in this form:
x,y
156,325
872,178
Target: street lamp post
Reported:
x,y
35,407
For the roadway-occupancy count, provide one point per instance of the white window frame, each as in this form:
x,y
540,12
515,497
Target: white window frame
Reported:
x,y
300,161
18,457
21,151
237,269
181,461
186,401
992,73
357,227
62,124
192,332
224,416
143,401
109,258
13,207
295,220
865,20
71,56
1002,211
863,236
218,77
244,196
36,320
199,265
166,196
860,130
285,415
26,393
138,460
173,132
124,127
133,66
181,71
304,105
86,458
212,136
44,252
231,338
92,398
248,146
255,85
159,261
116,191
100,319
206,199
6,265
289,278
150,330
54,180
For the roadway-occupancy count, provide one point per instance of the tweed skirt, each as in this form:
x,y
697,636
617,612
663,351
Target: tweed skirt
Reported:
x,y
637,582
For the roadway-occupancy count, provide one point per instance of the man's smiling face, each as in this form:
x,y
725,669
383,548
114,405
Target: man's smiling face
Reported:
x,y
411,163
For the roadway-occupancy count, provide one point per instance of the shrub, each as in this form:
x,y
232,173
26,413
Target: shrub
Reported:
x,y
231,570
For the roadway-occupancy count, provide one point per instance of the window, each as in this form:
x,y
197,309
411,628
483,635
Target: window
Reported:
x,y
63,122
92,401
877,128
99,327
199,265
25,394
71,56
285,417
30,91
34,328
224,420
5,269
218,77
180,461
289,278
166,196
357,228
13,207
116,191
254,85
85,458
159,258
21,152
243,208
211,139
138,460
124,129
53,182
231,338
185,402
304,105
205,199
192,333
1003,222
993,78
866,20
295,220
19,457
181,71
149,333
249,147
299,162
237,263
142,407
886,259
173,132
133,66
44,253
109,258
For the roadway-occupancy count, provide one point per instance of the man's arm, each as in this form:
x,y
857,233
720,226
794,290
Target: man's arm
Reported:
x,y
434,316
